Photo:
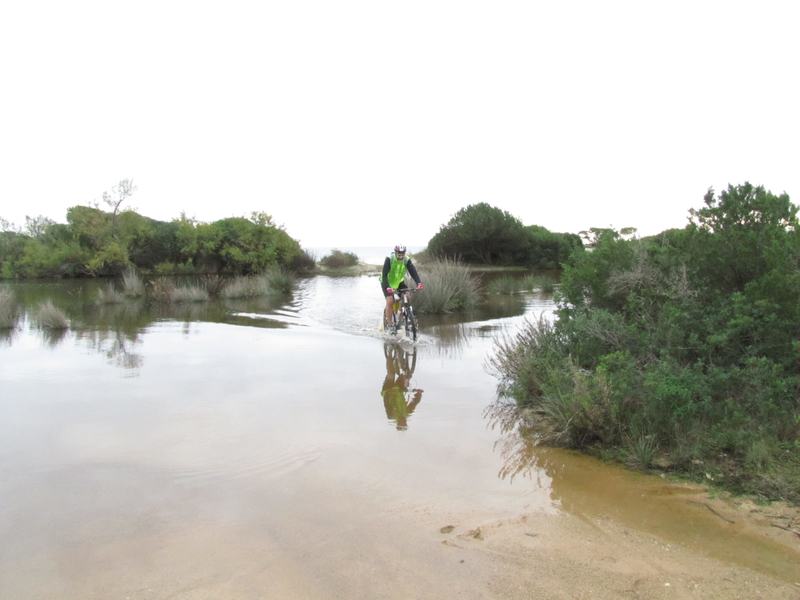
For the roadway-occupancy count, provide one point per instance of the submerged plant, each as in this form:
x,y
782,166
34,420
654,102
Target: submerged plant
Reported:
x,y
48,316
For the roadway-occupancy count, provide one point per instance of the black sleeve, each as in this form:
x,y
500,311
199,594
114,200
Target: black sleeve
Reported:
x,y
412,270
387,264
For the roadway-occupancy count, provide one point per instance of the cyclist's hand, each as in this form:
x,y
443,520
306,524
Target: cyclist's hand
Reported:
x,y
389,291
420,287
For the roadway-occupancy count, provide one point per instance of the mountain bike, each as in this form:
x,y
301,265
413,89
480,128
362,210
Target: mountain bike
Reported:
x,y
403,316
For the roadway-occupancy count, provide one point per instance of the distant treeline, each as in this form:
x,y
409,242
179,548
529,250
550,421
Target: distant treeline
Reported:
x,y
484,234
98,243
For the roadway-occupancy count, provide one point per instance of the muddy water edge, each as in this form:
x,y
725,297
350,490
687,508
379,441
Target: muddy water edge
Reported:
x,y
286,448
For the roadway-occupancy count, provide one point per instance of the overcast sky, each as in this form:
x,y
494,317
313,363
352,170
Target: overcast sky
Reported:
x,y
371,123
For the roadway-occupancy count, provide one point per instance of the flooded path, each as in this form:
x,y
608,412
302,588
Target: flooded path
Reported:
x,y
289,450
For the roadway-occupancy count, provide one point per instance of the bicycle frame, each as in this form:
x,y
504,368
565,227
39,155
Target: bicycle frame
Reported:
x,y
402,311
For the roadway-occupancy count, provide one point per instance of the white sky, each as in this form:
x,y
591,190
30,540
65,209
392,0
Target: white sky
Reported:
x,y
371,123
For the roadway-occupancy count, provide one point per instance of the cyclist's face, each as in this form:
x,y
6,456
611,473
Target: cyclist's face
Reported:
x,y
400,254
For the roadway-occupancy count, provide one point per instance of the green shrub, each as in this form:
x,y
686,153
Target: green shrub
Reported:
x,y
304,262
339,260
503,285
684,343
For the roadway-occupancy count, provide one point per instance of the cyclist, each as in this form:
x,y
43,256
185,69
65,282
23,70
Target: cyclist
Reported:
x,y
392,278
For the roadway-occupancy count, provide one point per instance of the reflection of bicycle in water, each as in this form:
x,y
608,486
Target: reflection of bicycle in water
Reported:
x,y
398,400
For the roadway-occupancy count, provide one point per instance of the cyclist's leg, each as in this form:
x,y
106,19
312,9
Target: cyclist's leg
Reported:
x,y
387,311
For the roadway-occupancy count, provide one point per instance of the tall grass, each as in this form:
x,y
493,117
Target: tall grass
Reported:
x,y
161,290
449,286
511,285
273,282
9,310
214,285
279,281
504,285
132,285
189,293
108,294
544,282
244,287
48,316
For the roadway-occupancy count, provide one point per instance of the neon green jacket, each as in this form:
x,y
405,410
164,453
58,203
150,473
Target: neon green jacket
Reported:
x,y
394,271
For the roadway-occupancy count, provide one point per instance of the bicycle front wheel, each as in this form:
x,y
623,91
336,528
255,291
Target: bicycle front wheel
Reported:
x,y
411,323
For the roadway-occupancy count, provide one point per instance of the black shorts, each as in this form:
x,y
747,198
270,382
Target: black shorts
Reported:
x,y
402,286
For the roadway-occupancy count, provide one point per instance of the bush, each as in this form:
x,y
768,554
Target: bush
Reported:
x,y
449,286
483,234
339,260
683,344
304,262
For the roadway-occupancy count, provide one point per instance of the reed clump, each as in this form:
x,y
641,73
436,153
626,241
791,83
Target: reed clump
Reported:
x,y
49,316
449,286
189,293
108,294
544,282
280,281
273,282
9,309
132,284
504,285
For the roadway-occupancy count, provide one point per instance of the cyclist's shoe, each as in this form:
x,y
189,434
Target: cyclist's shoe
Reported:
x,y
393,330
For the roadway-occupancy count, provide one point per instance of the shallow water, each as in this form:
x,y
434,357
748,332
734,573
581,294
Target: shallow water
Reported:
x,y
271,428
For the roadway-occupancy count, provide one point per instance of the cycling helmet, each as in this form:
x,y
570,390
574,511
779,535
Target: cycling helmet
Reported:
x,y
400,249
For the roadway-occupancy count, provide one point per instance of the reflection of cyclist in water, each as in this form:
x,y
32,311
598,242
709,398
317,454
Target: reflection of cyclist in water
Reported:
x,y
398,400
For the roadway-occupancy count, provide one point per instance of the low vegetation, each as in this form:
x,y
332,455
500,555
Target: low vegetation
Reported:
x,y
449,286
680,349
9,309
507,284
49,316
339,260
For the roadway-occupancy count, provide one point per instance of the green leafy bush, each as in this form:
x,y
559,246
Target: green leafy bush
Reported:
x,y
683,344
339,260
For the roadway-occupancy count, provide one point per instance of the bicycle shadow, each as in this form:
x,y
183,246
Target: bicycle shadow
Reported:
x,y
399,399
